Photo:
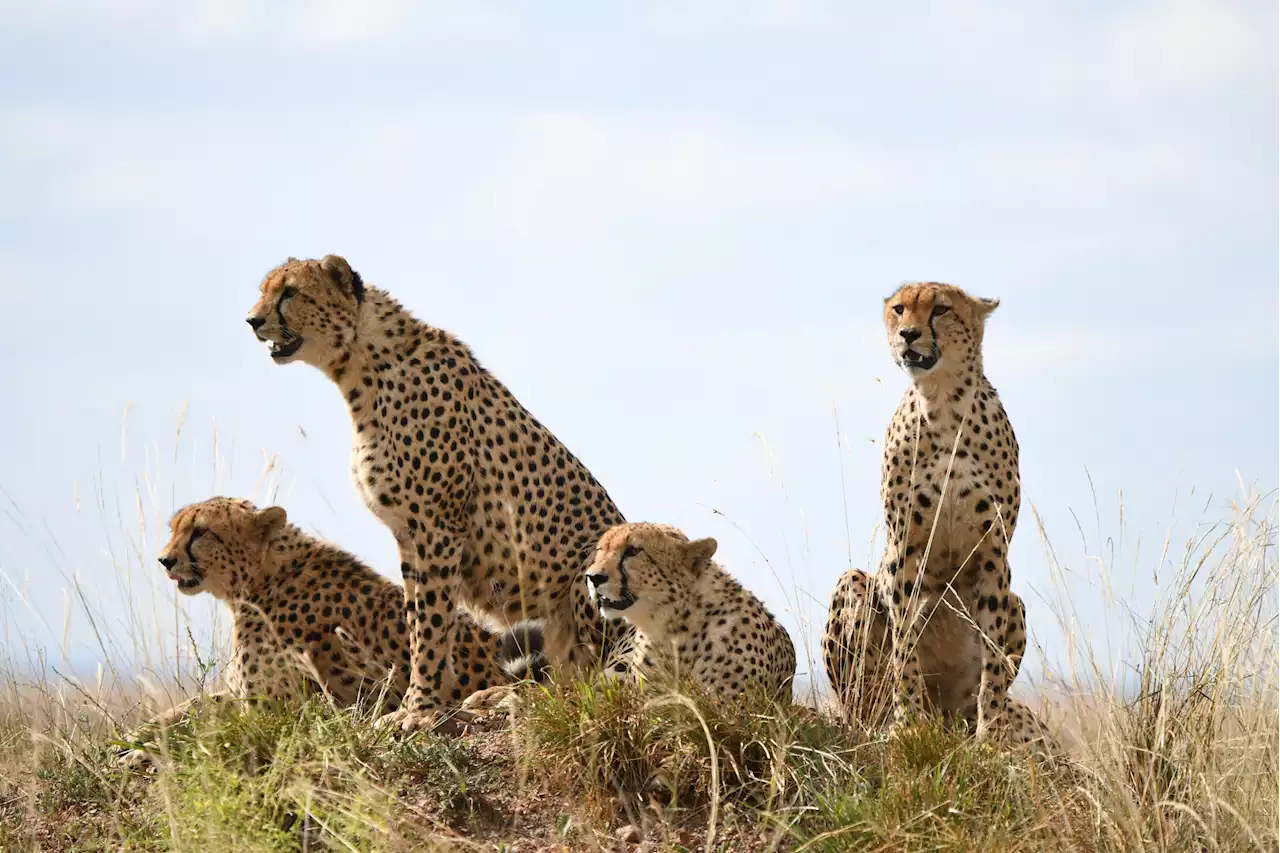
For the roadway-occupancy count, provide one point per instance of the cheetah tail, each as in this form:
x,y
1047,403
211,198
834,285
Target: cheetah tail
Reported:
x,y
522,654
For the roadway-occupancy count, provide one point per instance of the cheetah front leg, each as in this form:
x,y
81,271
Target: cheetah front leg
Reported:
x,y
429,561
242,678
1015,641
139,749
992,613
906,621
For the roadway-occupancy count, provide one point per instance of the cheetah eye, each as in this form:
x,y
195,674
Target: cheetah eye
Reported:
x,y
939,310
289,292
197,532
630,552
898,309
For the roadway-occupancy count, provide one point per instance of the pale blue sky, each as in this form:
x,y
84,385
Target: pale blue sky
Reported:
x,y
668,228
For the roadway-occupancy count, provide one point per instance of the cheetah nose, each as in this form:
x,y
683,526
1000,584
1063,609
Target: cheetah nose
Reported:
x,y
255,323
909,335
597,579
168,562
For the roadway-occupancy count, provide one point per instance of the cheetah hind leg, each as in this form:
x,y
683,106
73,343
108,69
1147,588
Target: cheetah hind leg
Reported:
x,y
854,651
1022,728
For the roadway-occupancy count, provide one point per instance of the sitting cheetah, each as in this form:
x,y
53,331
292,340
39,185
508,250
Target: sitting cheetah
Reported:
x,y
307,616
856,652
488,508
691,615
950,489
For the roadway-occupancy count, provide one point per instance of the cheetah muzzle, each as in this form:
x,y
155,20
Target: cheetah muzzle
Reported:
x,y
915,362
287,348
189,577
272,328
604,596
288,345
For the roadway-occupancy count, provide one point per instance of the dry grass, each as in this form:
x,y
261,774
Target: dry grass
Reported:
x,y
1184,757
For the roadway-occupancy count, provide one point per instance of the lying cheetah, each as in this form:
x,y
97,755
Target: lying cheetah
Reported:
x,y
950,489
691,615
488,508
307,616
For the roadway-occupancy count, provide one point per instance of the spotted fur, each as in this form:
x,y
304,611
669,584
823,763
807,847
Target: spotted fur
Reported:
x,y
950,488
488,508
308,617
692,616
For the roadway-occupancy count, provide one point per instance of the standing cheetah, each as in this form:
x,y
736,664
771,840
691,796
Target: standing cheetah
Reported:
x,y
692,616
306,616
950,489
489,510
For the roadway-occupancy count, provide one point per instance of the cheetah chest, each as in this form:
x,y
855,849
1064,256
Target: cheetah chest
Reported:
x,y
946,495
369,472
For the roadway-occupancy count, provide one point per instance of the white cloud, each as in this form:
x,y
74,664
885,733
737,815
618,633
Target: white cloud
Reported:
x,y
554,183
300,24
221,20
327,22
1055,351
686,19
1190,47
578,173
344,22
1113,54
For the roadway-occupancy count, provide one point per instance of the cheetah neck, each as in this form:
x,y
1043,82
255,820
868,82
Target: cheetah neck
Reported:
x,y
289,554
940,396
687,615
663,621
389,340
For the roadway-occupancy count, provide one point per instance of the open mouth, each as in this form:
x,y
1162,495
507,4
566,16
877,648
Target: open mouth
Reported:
x,y
286,349
913,360
618,604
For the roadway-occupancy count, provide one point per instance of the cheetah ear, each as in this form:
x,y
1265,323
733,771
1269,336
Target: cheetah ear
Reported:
x,y
986,306
269,520
700,551
337,268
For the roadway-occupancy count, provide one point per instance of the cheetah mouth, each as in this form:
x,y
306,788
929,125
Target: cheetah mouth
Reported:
x,y
616,605
283,350
187,582
915,361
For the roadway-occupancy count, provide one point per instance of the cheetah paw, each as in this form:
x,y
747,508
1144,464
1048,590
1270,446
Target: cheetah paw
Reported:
x,y
134,759
504,697
408,721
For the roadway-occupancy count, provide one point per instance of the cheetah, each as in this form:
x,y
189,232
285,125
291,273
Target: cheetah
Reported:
x,y
489,510
307,616
950,489
691,615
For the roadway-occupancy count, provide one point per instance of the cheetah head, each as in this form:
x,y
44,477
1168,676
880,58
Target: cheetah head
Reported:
x,y
216,543
935,328
308,310
641,571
